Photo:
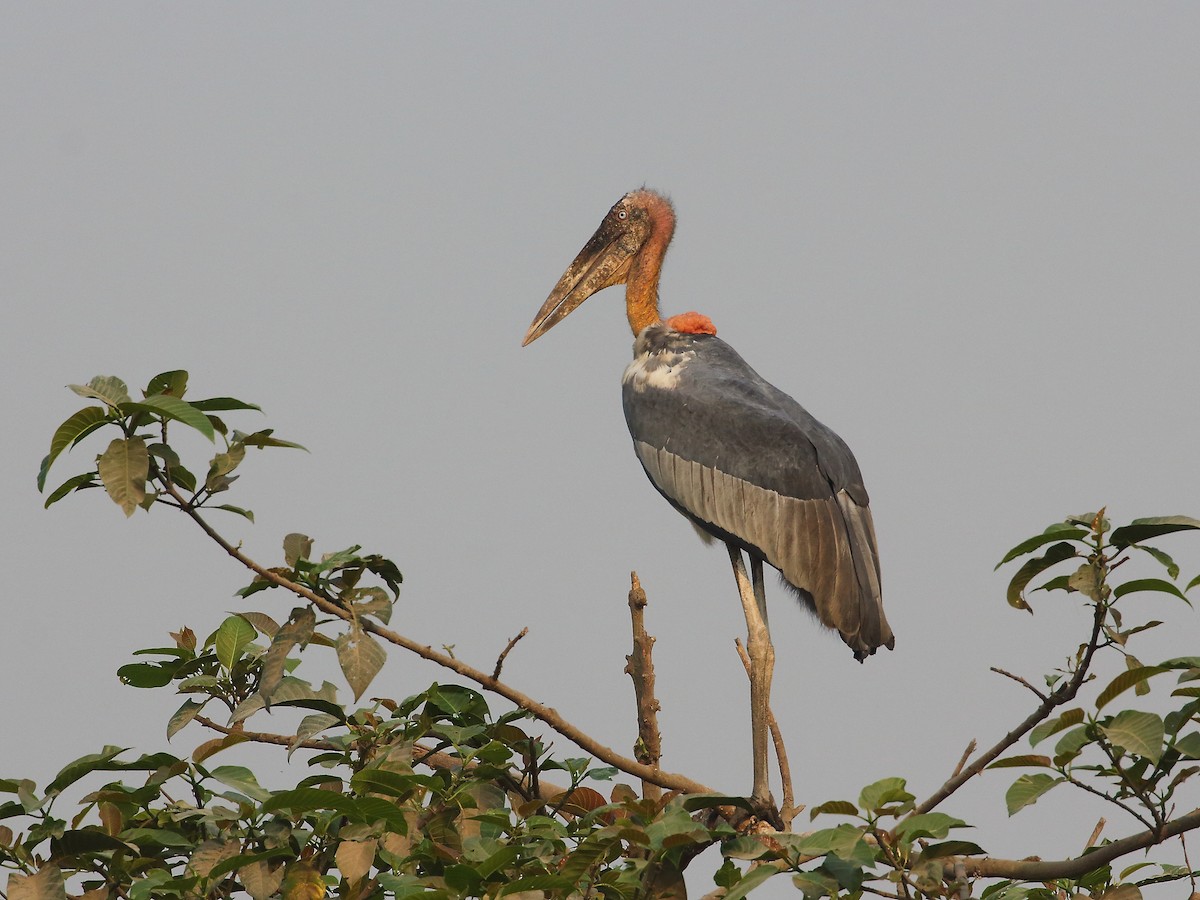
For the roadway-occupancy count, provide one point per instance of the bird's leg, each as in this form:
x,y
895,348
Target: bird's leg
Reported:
x,y
762,664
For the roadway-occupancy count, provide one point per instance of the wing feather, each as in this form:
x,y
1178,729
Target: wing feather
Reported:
x,y
749,465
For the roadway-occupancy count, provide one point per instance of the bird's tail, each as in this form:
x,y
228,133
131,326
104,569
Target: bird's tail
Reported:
x,y
873,629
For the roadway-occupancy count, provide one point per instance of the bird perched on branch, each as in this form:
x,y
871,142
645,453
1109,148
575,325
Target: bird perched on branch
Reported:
x,y
743,461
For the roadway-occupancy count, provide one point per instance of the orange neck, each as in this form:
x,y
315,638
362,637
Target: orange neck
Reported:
x,y
641,304
641,290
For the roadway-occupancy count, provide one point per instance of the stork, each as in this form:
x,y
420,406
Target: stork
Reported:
x,y
743,461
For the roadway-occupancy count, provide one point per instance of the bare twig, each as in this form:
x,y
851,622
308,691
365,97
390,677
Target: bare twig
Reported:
x,y
1019,680
1064,694
1084,786
867,889
1187,862
1091,842
669,780
504,653
788,811
962,761
639,666
1143,796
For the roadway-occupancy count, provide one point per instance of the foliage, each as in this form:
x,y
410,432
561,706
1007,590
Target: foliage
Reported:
x,y
438,795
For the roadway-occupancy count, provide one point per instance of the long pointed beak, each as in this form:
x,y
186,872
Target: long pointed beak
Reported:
x,y
603,262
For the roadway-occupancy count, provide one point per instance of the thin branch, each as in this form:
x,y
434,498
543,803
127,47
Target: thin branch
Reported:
x,y
866,888
1141,794
1187,862
788,811
1103,796
639,666
266,737
1091,842
1019,680
669,780
504,653
962,760
1064,694
1047,870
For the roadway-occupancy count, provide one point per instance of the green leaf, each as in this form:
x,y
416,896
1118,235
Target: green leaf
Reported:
x,y
77,483
1057,583
1142,529
296,547
173,383
1026,790
45,884
1136,732
245,513
123,469
1034,567
1052,726
833,807
361,657
1189,745
241,779
233,635
693,802
842,840
928,825
1070,744
220,404
73,771
146,675
874,797
222,464
1057,532
751,880
1085,580
71,432
816,883
107,388
263,439
1163,558
355,858
1126,680
169,407
161,837
182,716
951,848
1149,584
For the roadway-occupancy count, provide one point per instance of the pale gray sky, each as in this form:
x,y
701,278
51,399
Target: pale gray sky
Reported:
x,y
963,235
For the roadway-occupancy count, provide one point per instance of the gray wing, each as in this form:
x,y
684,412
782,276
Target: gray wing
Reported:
x,y
747,463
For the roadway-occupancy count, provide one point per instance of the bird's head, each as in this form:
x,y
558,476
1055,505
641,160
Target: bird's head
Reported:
x,y
627,248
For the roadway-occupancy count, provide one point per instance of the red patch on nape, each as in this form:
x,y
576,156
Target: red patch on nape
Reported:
x,y
692,323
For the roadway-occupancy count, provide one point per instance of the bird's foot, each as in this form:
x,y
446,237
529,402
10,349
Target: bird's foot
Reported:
x,y
765,811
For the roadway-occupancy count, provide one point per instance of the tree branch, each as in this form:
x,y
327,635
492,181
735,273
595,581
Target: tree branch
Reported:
x,y
639,666
962,760
1047,870
669,780
1019,680
504,653
1064,694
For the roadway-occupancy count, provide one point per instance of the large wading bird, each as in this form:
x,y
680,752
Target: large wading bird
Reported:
x,y
743,461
